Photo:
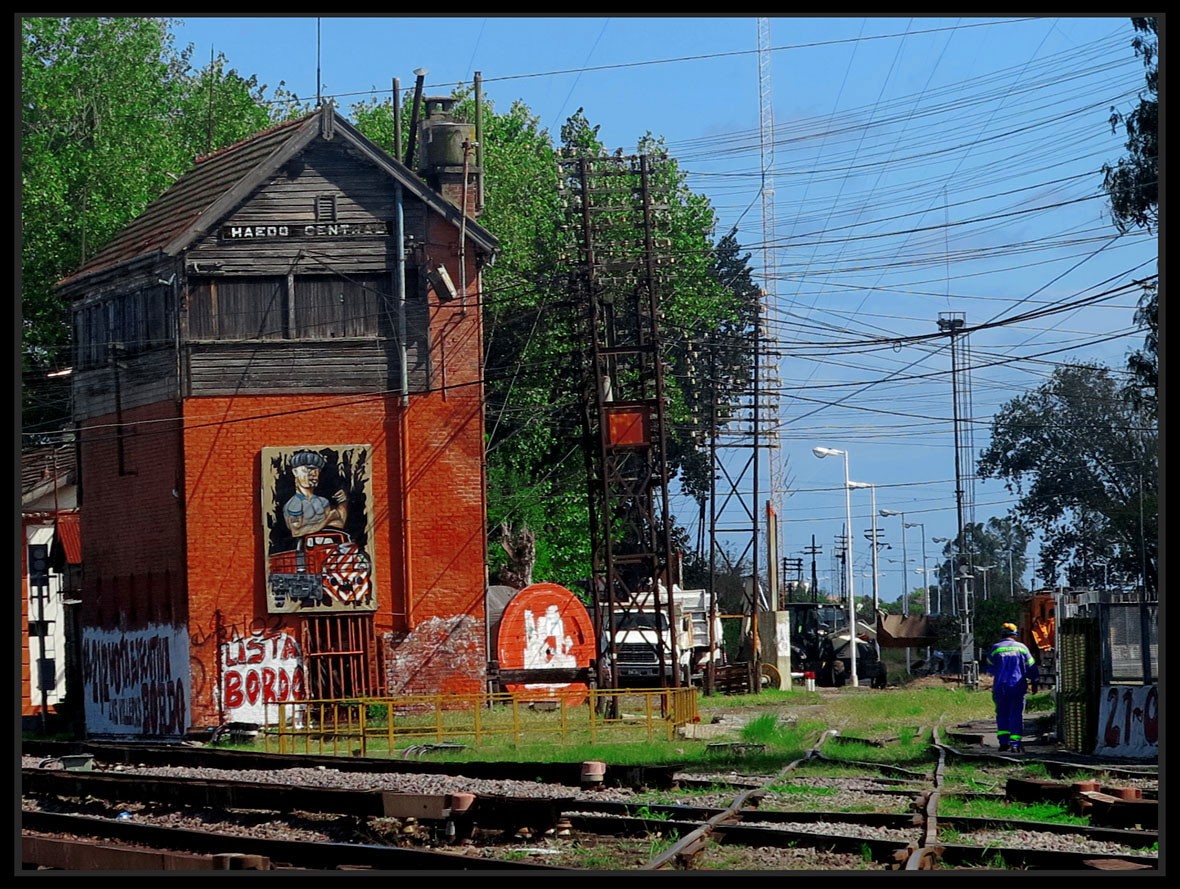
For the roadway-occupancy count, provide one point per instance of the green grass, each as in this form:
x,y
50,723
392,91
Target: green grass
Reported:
x,y
789,740
648,815
969,777
660,843
972,777
1041,702
1043,812
595,857
788,724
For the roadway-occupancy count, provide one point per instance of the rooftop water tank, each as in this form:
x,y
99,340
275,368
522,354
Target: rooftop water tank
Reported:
x,y
442,136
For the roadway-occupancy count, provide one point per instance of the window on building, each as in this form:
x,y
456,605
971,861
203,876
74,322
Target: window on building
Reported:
x,y
237,308
328,306
130,323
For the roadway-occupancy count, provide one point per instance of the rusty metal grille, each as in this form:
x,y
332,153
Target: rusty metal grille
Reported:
x,y
340,654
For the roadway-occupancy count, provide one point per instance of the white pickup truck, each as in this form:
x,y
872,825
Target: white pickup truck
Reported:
x,y
643,639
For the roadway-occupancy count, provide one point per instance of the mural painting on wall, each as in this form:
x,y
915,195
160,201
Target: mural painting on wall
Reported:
x,y
317,512
259,672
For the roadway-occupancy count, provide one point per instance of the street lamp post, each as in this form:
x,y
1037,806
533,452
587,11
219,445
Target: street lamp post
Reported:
x,y
834,452
873,506
926,575
985,569
953,561
905,593
925,581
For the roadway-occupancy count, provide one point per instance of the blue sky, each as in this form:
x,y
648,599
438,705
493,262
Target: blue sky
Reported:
x,y
918,166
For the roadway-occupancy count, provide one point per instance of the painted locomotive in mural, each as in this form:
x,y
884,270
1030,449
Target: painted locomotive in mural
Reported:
x,y
325,568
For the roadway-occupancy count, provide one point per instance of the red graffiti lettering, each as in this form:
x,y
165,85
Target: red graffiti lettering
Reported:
x,y
234,654
257,650
1151,714
290,649
268,685
233,690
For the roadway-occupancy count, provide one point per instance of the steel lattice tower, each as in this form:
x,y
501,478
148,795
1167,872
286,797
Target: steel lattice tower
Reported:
x,y
615,211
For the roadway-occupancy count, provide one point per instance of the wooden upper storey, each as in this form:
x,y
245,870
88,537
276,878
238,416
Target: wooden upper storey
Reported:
x,y
273,264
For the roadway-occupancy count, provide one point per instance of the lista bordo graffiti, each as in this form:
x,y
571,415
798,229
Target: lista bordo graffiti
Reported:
x,y
257,670
132,683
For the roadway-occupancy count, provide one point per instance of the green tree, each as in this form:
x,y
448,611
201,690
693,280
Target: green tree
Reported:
x,y
111,113
535,336
1083,461
1132,183
1132,186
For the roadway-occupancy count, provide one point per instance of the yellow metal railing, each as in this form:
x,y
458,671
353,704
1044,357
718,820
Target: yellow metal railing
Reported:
x,y
382,726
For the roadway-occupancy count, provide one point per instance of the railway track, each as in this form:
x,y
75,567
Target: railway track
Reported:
x,y
96,807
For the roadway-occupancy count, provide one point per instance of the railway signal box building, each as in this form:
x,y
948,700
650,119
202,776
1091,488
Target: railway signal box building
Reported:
x,y
279,414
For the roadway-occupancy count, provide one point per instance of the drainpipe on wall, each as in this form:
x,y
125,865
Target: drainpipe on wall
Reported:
x,y
404,386
467,146
479,141
400,285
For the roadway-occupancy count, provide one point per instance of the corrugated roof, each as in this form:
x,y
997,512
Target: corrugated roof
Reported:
x,y
203,196
40,466
69,536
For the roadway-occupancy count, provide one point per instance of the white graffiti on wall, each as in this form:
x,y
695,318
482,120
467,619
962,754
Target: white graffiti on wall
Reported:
x,y
546,644
1128,722
259,670
135,682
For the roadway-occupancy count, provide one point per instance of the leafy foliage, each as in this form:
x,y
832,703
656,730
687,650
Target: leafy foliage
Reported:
x,y
111,113
1132,185
1083,461
1000,547
535,333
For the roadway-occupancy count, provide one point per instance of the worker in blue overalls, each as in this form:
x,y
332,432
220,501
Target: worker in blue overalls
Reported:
x,y
1015,672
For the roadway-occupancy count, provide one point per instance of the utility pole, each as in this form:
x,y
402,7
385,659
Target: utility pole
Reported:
x,y
814,551
953,323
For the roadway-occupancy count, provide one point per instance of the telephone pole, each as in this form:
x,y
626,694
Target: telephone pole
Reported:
x,y
814,551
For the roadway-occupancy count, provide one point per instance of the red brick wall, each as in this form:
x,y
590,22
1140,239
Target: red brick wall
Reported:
x,y
442,534
132,524
445,503
225,532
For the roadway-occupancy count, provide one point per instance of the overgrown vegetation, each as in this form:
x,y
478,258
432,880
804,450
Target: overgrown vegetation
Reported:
x,y
951,806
